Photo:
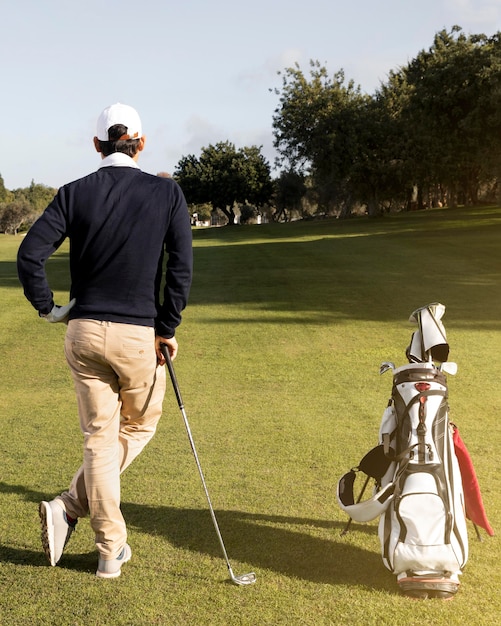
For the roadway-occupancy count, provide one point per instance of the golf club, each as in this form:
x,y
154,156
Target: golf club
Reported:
x,y
244,579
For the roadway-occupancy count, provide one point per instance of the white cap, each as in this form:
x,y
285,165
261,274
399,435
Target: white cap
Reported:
x,y
119,114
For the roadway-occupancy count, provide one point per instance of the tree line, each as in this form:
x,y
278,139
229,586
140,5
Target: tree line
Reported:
x,y
429,136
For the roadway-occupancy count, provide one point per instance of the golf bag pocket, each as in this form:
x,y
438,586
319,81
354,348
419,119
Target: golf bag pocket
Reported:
x,y
419,494
419,532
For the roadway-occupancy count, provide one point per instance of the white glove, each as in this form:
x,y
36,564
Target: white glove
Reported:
x,y
59,313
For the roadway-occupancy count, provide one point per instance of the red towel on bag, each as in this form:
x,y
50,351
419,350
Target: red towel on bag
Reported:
x,y
472,497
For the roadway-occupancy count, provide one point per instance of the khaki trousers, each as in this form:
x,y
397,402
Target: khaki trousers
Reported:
x,y
120,390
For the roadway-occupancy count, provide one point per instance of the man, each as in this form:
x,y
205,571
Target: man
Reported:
x,y
120,221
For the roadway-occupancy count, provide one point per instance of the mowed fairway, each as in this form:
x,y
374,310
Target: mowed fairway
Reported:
x,y
280,349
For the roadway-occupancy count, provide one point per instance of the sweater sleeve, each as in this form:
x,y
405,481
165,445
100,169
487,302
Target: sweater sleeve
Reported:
x,y
42,240
179,270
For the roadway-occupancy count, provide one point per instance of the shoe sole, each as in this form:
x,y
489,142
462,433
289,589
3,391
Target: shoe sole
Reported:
x,y
47,534
116,574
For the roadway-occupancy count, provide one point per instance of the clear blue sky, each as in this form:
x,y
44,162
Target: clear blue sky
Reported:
x,y
198,71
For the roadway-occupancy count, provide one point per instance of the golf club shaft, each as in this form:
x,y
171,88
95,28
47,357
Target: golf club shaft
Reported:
x,y
170,367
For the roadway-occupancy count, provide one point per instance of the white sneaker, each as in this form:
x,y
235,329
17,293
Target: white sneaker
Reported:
x,y
56,530
111,568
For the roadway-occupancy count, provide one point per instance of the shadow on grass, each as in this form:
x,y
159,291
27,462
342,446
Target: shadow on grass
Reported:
x,y
290,546
85,562
328,272
286,545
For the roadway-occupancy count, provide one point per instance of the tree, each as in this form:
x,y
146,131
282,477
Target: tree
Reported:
x,y
37,195
375,174
448,103
20,208
329,129
290,189
433,132
5,194
225,177
201,212
312,124
15,214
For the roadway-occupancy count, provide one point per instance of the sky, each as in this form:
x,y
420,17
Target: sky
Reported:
x,y
198,71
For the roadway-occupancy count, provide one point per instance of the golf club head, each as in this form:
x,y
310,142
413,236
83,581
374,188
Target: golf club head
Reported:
x,y
244,579
385,366
449,367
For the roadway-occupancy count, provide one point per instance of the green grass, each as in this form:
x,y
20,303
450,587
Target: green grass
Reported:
x,y
278,366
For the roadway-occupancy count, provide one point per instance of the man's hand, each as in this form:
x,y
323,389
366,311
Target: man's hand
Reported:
x,y
171,347
59,313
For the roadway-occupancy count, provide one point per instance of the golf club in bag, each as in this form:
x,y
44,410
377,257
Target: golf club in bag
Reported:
x,y
419,494
243,579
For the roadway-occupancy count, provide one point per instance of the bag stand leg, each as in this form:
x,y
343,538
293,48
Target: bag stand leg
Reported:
x,y
347,527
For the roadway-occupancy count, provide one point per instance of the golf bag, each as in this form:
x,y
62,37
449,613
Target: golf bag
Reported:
x,y
418,492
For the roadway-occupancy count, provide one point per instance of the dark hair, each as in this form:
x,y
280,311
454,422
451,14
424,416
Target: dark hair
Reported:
x,y
115,144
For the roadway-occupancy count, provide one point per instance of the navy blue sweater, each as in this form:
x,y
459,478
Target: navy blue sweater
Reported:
x,y
120,221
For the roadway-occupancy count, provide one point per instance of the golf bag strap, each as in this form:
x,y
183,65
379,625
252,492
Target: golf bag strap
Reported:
x,y
389,452
415,399
387,439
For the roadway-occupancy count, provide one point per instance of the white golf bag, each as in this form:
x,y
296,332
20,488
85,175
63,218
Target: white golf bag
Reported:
x,y
418,492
